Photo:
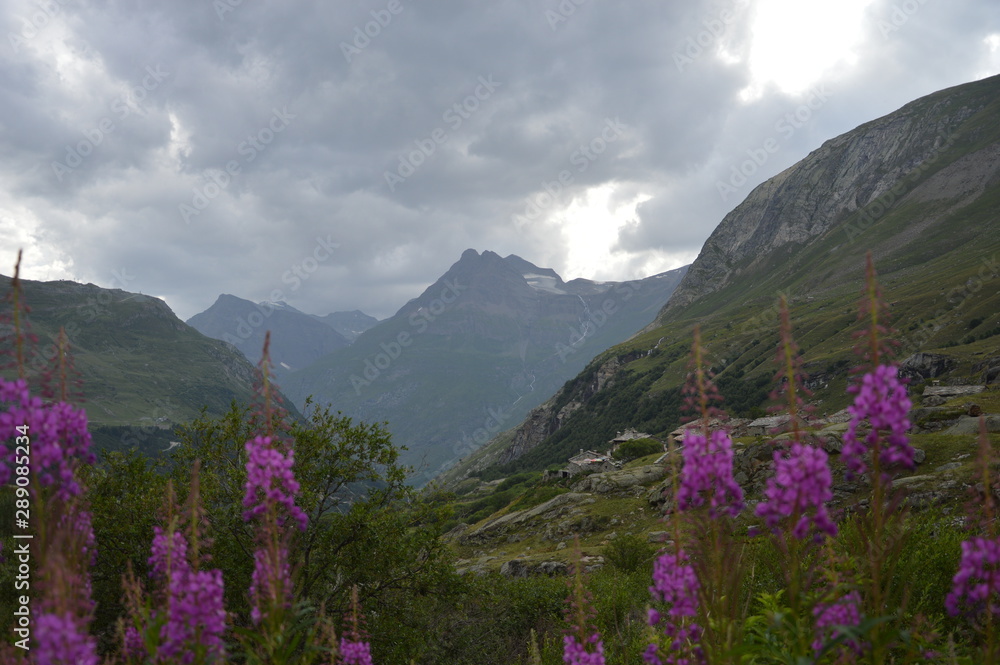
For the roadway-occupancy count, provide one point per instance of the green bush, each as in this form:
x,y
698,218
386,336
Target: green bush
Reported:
x,y
637,448
629,553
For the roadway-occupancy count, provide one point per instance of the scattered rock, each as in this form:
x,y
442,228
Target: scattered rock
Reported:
x,y
546,512
975,410
913,480
933,400
561,545
953,391
656,536
764,426
919,455
950,466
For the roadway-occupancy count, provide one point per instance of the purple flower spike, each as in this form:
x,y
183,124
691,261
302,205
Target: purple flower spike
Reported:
x,y
195,615
976,585
168,555
843,612
195,604
356,653
800,487
269,579
882,399
575,653
57,432
269,472
675,585
708,469
62,640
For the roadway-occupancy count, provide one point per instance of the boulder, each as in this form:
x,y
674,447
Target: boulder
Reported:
x,y
990,369
922,366
612,481
514,568
970,425
551,568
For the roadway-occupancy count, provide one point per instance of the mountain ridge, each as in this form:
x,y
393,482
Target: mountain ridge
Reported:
x,y
919,188
475,350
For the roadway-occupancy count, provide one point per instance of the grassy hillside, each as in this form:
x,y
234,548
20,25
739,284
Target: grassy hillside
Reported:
x,y
139,368
936,246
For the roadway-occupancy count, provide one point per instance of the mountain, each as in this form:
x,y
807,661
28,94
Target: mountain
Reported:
x,y
141,368
297,339
471,355
919,188
349,324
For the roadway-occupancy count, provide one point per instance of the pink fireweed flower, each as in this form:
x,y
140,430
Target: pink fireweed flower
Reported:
x,y
57,432
976,585
269,472
708,470
882,399
843,612
195,615
62,639
676,586
800,487
271,583
355,652
196,618
591,653
168,553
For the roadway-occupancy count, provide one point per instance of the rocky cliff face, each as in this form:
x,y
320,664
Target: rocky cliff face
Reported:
x,y
852,179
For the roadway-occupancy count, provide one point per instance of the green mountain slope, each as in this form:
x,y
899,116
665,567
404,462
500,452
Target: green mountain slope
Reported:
x,y
141,369
920,188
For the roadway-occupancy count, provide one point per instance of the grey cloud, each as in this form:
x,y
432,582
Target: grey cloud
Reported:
x,y
324,173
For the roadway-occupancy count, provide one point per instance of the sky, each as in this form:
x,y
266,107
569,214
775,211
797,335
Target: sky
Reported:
x,y
342,155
